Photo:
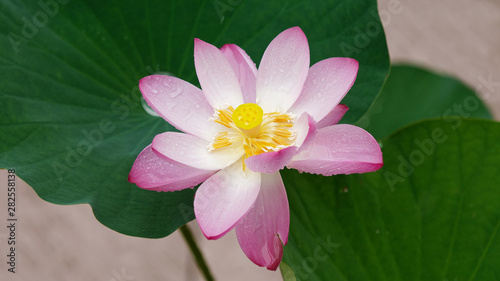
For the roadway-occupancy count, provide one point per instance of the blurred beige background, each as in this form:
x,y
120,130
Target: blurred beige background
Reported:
x,y
456,37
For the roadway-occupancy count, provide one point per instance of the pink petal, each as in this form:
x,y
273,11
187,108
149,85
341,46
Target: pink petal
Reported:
x,y
339,149
263,231
283,70
271,162
155,172
333,117
223,199
327,83
305,129
245,70
179,103
192,151
217,78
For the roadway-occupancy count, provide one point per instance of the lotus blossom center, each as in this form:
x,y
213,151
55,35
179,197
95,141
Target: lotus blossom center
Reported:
x,y
248,116
253,130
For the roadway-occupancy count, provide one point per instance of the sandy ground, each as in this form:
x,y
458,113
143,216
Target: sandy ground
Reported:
x,y
457,37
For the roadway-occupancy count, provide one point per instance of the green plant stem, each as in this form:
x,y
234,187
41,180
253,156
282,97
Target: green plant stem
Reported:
x,y
198,256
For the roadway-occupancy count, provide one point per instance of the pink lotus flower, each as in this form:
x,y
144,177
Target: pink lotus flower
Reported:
x,y
243,127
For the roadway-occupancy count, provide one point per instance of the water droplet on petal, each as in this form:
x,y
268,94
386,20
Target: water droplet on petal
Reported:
x,y
188,116
175,93
170,105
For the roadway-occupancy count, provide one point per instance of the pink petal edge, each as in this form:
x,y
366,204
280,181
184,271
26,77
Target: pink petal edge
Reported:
x,y
283,70
155,172
174,100
192,151
305,128
244,68
263,231
271,162
224,198
328,81
339,149
216,76
334,116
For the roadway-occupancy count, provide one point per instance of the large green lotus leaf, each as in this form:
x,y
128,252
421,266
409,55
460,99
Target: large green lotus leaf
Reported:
x,y
411,94
71,116
431,213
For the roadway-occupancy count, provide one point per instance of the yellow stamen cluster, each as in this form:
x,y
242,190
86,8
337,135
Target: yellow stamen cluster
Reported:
x,y
256,131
